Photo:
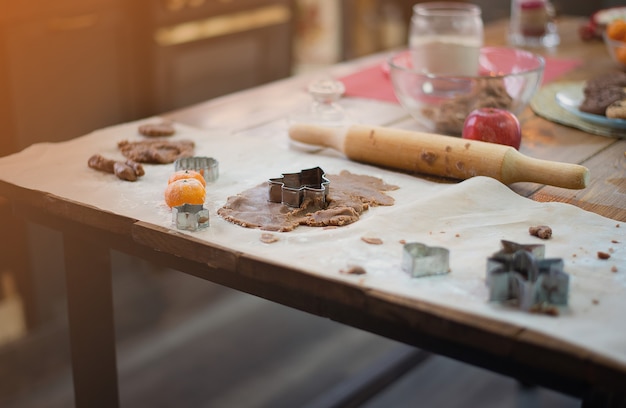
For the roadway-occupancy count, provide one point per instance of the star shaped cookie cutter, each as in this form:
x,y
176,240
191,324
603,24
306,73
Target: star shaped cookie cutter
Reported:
x,y
293,188
190,217
422,260
521,273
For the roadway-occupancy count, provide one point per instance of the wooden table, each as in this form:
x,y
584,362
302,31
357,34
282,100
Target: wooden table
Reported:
x,y
90,232
544,139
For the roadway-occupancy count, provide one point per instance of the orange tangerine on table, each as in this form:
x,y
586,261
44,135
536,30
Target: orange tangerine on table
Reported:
x,y
616,30
620,54
183,174
184,191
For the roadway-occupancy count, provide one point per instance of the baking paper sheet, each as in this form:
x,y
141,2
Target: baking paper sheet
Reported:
x,y
469,218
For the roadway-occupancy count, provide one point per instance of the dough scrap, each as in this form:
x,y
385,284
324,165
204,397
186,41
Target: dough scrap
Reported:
x,y
156,151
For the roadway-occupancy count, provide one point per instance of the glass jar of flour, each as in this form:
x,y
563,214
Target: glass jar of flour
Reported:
x,y
445,38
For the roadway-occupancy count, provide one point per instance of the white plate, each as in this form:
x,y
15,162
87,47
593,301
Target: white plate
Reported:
x,y
570,99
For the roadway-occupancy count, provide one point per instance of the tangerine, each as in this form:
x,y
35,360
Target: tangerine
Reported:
x,y
183,174
616,30
184,191
620,54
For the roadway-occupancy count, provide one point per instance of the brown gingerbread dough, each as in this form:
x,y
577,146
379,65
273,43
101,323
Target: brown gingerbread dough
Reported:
x,y
449,117
164,128
348,197
127,170
156,151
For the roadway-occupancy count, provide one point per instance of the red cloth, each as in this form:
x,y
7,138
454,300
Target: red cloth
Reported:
x,y
374,83
555,67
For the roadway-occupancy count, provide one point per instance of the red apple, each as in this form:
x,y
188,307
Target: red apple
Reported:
x,y
493,125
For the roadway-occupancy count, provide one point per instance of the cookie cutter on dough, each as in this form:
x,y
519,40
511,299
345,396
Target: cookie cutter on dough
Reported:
x,y
293,188
207,166
190,217
521,273
423,260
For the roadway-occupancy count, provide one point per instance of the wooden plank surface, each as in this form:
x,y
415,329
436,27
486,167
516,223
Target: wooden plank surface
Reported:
x,y
607,193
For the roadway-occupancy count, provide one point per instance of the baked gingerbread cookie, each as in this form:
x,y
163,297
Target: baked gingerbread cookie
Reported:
x,y
601,91
617,110
157,129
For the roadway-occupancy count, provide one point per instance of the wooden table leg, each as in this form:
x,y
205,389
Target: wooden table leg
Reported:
x,y
14,258
92,330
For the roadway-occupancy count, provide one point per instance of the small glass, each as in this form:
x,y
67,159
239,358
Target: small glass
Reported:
x,y
445,38
324,109
532,24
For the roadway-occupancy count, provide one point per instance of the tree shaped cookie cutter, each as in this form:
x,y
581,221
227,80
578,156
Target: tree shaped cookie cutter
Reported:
x,y
293,188
520,273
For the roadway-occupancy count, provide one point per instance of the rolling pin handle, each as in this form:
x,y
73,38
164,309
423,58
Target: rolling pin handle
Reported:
x,y
517,167
324,136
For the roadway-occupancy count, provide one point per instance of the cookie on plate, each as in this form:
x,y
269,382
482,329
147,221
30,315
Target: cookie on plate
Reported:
x,y
617,110
598,101
603,90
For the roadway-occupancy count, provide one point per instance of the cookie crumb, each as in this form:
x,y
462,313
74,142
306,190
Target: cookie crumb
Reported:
x,y
353,270
540,231
268,238
595,301
372,240
402,241
603,255
614,269
545,309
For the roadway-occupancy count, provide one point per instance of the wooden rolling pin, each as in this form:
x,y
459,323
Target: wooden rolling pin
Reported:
x,y
439,155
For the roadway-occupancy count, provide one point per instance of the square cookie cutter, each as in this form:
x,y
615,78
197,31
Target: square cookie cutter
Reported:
x,y
521,273
423,260
207,166
293,188
190,217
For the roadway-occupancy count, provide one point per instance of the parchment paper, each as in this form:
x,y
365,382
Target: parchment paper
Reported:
x,y
469,218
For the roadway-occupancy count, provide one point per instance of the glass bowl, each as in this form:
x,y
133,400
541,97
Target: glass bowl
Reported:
x,y
617,50
507,79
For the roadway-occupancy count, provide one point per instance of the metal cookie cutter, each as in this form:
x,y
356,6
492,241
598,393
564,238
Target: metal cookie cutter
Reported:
x,y
422,260
207,166
293,188
190,217
520,273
